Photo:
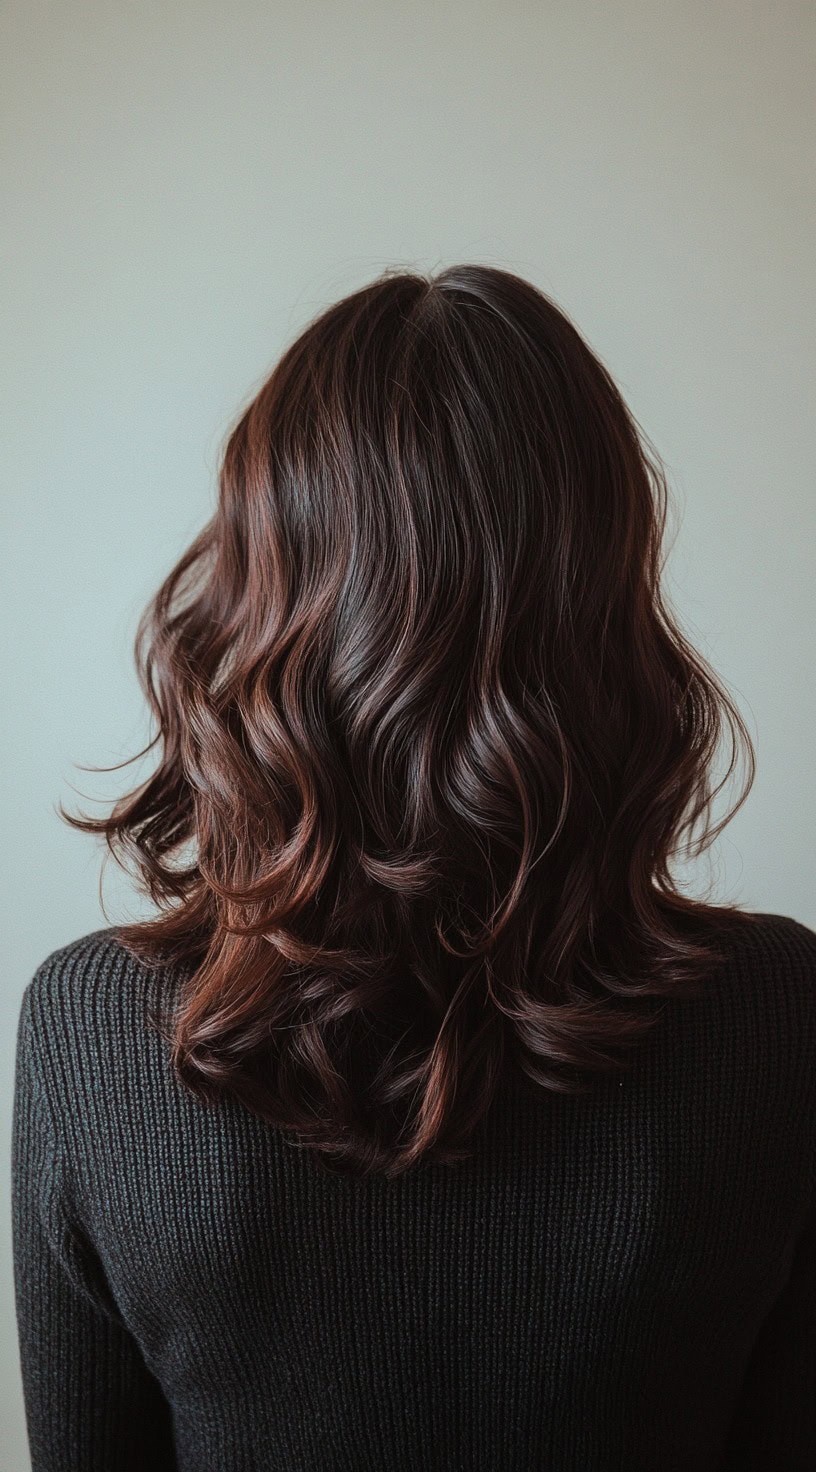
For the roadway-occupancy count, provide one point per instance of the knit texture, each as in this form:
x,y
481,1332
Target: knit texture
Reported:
x,y
623,1282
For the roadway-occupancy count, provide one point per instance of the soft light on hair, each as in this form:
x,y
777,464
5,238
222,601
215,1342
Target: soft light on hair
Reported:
x,y
428,734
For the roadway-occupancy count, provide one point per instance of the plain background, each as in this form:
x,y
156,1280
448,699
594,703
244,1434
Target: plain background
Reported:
x,y
187,184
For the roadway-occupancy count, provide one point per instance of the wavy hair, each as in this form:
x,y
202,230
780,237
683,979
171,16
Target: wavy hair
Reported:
x,y
428,735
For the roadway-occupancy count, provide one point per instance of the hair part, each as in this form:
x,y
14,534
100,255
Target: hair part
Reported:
x,y
429,736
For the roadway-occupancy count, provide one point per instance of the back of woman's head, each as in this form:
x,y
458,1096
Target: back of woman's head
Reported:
x,y
429,737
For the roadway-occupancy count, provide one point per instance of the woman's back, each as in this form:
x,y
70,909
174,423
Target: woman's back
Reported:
x,y
622,1280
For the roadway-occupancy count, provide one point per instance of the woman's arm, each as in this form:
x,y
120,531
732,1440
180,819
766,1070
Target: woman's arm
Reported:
x,y
774,1422
91,1403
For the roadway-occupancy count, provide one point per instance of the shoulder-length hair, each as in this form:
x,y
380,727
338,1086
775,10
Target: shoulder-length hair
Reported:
x,y
429,737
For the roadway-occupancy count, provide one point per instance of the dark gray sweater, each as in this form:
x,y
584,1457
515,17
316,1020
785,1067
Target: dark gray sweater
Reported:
x,y
619,1283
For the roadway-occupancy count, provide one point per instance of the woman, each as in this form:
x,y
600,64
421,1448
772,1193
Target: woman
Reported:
x,y
428,1124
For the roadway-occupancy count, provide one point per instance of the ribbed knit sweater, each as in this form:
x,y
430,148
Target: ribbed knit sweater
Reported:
x,y
619,1282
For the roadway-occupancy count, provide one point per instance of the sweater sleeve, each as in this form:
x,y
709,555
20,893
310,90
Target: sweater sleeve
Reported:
x,y
91,1403
774,1422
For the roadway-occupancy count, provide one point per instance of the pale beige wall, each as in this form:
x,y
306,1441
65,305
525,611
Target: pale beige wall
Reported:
x,y
187,183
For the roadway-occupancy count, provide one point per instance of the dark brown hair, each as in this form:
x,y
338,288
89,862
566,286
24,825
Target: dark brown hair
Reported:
x,y
429,736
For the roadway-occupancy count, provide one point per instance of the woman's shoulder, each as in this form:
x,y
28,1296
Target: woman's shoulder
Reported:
x,y
775,947
775,956
94,994
91,992
760,1011
96,969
